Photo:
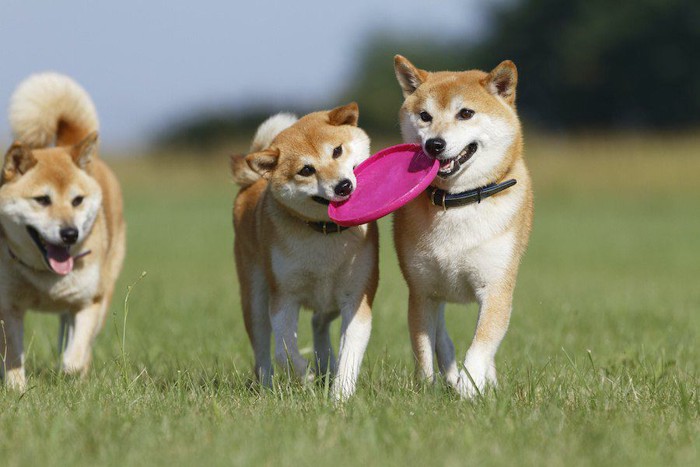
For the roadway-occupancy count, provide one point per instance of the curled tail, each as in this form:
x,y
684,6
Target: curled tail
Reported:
x,y
50,108
243,175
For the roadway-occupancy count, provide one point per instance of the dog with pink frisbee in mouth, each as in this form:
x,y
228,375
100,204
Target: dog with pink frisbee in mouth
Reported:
x,y
463,206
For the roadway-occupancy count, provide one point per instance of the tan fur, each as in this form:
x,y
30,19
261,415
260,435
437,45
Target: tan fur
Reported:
x,y
468,253
283,264
26,282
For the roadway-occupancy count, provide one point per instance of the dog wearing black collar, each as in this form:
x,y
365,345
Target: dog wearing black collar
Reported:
x,y
290,255
463,240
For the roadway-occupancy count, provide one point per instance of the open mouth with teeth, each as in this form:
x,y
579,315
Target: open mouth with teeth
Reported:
x,y
56,257
449,167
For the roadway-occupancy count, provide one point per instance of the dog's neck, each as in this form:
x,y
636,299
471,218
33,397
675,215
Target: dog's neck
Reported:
x,y
448,200
325,227
19,261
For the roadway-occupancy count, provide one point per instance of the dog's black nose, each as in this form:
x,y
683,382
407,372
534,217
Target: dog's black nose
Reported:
x,y
69,235
435,146
343,188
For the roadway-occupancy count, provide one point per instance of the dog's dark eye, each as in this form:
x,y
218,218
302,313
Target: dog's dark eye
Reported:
x,y
425,116
43,200
307,171
77,201
337,152
465,114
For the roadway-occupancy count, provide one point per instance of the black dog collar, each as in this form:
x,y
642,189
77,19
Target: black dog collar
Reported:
x,y
326,227
447,200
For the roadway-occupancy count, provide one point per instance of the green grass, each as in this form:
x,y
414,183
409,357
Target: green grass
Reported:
x,y
600,366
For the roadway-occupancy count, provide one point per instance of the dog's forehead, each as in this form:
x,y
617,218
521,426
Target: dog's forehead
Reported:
x,y
310,139
443,89
54,168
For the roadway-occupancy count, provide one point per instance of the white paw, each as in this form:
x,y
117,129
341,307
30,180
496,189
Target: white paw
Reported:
x,y
475,378
467,388
75,366
342,392
15,380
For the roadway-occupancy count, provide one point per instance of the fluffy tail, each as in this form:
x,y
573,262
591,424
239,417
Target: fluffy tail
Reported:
x,y
50,108
266,133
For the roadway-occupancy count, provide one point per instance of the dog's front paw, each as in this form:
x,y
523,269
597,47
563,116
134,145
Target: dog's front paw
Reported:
x,y
75,366
475,378
342,390
15,380
468,387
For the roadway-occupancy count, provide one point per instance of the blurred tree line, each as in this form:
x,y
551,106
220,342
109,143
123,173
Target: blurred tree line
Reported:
x,y
582,64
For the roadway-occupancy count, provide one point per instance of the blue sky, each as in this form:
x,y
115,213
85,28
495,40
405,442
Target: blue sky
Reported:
x,y
148,62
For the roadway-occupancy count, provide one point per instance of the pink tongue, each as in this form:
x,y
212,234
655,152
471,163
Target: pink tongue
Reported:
x,y
60,259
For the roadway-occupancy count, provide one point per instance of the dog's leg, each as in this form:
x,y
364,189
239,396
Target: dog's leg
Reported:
x,y
11,351
479,365
254,297
66,326
82,331
284,317
325,360
354,336
445,350
422,324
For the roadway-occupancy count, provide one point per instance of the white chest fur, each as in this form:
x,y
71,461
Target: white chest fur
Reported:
x,y
53,292
462,249
324,272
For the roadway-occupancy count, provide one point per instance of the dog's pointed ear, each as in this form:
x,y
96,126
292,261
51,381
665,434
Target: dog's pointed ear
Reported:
x,y
502,81
263,162
408,76
83,152
18,159
344,115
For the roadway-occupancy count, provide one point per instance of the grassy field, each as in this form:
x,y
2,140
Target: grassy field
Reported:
x,y
600,366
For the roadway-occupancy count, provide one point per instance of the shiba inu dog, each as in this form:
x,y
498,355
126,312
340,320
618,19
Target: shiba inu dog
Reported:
x,y
463,240
290,255
62,236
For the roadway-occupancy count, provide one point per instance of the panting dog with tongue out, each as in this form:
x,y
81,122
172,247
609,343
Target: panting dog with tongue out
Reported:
x,y
62,236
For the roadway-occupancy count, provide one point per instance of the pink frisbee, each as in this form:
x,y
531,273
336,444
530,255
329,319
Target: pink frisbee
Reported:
x,y
386,181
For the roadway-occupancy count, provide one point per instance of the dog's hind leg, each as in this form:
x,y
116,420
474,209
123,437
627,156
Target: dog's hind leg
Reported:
x,y
445,350
82,330
254,297
284,317
325,360
422,324
354,336
11,351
